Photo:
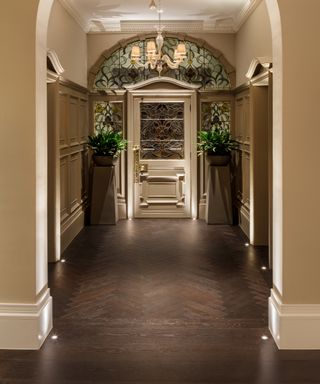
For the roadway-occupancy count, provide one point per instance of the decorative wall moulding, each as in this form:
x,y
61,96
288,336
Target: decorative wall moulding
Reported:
x,y
162,80
72,10
192,26
244,14
258,65
53,63
221,24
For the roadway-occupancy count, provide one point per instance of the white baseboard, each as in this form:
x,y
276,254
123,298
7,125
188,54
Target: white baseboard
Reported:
x,y
122,210
25,326
294,326
71,228
202,209
244,220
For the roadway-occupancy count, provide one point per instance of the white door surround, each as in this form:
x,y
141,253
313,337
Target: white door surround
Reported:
x,y
163,89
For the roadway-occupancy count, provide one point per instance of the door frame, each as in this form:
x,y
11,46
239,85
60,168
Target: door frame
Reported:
x,y
163,87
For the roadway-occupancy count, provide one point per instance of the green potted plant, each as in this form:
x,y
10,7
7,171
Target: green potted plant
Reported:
x,y
106,145
217,144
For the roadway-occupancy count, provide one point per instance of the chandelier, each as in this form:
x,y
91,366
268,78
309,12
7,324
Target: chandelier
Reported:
x,y
155,59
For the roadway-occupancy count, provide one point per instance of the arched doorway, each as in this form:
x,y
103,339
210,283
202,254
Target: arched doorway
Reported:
x,y
26,304
290,269
171,187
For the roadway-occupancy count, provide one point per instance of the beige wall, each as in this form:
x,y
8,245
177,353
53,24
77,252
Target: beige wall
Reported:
x,y
252,40
18,176
97,43
300,143
68,39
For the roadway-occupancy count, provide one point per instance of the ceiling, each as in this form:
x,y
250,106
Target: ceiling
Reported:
x,y
96,16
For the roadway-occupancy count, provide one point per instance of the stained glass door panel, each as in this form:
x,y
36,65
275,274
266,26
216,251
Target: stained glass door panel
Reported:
x,y
162,131
162,188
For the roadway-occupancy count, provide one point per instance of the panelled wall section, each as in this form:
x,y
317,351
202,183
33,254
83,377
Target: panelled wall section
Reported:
x,y
110,110
68,129
253,164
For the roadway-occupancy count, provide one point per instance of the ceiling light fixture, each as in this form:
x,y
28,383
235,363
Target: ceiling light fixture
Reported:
x,y
155,59
152,5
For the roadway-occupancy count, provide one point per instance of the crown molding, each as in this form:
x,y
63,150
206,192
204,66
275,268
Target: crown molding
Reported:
x,y
192,26
244,14
84,24
228,25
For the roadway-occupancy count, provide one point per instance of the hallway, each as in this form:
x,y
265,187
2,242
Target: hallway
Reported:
x,y
160,301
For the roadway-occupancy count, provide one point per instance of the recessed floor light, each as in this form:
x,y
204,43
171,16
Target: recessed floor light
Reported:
x,y
54,337
246,244
264,337
130,218
63,260
194,218
263,268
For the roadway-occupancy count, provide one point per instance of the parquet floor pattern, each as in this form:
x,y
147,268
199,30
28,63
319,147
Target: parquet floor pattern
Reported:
x,y
160,301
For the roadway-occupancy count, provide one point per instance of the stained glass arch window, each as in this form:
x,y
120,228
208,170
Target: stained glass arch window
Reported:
x,y
204,66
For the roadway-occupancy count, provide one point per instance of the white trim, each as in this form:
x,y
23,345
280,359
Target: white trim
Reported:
x,y
294,326
54,59
71,227
244,224
25,326
245,13
219,25
84,24
138,93
264,62
155,80
52,77
277,144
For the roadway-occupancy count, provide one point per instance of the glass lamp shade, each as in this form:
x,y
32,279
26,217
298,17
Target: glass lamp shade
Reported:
x,y
151,47
181,50
135,52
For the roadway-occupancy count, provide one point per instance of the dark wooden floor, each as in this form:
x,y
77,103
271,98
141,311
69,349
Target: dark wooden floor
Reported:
x,y
162,301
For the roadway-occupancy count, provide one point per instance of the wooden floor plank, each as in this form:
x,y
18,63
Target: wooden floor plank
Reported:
x,y
160,301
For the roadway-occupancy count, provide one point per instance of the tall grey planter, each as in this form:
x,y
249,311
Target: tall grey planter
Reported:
x,y
104,196
219,204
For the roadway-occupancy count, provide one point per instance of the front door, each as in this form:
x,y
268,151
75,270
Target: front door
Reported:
x,y
161,144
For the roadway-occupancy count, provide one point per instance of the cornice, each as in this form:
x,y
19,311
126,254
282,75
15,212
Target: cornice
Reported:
x,y
228,25
85,25
161,80
244,14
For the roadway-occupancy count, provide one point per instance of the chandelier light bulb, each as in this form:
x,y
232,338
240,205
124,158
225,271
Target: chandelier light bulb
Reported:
x,y
155,58
181,49
151,47
152,5
135,53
